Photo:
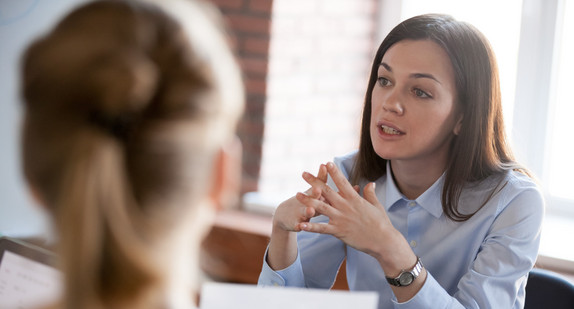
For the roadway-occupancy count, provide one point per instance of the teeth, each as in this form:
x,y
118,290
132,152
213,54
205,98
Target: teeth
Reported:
x,y
389,130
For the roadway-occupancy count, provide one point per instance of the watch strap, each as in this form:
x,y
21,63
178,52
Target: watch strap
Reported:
x,y
409,275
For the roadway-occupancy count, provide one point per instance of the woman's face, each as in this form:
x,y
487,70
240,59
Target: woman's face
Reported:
x,y
413,114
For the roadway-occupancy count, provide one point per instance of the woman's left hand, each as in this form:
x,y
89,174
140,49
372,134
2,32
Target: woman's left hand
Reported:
x,y
361,223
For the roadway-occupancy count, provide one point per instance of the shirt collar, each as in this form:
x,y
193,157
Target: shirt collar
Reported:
x,y
430,200
392,193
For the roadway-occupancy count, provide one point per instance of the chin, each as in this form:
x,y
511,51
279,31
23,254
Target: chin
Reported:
x,y
385,154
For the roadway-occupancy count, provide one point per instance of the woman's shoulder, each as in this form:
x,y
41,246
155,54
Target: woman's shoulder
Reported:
x,y
515,187
508,181
497,192
519,179
516,182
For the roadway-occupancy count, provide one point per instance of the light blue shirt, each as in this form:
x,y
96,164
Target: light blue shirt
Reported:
x,y
480,263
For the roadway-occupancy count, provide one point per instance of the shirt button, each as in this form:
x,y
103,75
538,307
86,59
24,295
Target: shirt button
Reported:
x,y
275,284
412,204
413,243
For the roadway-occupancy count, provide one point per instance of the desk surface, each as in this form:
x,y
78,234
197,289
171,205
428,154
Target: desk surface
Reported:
x,y
233,251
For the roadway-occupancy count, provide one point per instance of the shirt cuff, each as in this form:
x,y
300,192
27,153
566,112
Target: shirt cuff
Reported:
x,y
290,276
430,293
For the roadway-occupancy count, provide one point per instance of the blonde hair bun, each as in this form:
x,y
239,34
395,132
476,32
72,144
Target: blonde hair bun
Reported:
x,y
123,83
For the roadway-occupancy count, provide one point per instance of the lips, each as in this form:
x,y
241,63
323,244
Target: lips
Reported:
x,y
389,129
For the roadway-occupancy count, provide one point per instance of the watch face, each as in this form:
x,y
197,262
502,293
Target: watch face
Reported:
x,y
406,278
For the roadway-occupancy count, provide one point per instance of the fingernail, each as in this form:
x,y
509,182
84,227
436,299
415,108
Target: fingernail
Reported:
x,y
374,185
330,164
303,226
306,175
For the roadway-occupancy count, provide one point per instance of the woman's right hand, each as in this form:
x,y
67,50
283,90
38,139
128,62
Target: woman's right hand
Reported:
x,y
291,212
286,220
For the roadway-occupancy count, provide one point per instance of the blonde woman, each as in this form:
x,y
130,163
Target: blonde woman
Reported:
x,y
128,141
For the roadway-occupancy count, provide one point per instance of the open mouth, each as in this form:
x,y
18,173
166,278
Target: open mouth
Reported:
x,y
391,131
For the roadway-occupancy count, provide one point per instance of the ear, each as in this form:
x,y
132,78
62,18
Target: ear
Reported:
x,y
227,176
458,125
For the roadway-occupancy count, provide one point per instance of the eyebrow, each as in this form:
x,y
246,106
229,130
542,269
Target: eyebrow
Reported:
x,y
413,75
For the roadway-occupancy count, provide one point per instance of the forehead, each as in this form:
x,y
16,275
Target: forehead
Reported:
x,y
419,56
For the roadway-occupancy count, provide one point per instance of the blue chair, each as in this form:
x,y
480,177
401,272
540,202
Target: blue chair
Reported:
x,y
547,289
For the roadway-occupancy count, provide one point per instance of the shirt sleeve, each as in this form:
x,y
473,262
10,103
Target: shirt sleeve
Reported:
x,y
290,276
318,260
497,277
431,293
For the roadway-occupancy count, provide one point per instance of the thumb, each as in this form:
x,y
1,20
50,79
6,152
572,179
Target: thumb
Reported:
x,y
369,194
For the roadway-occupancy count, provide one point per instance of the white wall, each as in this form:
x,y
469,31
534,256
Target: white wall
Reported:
x,y
20,22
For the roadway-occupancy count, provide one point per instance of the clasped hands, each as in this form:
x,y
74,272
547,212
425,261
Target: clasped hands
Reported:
x,y
360,222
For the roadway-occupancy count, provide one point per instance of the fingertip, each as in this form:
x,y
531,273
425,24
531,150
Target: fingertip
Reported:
x,y
299,196
370,194
370,187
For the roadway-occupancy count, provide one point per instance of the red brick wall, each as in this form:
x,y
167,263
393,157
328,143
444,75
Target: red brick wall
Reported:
x,y
305,64
249,24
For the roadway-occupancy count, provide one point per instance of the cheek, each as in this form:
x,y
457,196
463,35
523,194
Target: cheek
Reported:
x,y
438,125
376,102
373,113
372,125
374,105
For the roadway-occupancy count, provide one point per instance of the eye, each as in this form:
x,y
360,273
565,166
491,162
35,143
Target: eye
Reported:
x,y
421,94
383,81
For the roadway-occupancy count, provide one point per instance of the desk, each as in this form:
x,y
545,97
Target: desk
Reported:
x,y
233,250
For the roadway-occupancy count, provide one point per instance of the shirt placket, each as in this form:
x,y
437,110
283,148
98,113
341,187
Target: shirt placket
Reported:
x,y
414,222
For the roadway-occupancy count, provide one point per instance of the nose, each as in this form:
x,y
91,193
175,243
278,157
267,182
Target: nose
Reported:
x,y
393,104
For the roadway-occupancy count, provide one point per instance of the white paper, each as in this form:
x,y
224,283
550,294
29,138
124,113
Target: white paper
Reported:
x,y
226,296
25,283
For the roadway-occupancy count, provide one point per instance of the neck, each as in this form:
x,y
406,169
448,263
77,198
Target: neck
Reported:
x,y
182,273
176,250
176,256
182,280
181,258
414,178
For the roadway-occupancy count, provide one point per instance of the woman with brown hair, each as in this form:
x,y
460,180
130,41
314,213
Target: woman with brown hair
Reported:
x,y
128,141
446,218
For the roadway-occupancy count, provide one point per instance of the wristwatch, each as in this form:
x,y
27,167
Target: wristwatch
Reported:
x,y
406,277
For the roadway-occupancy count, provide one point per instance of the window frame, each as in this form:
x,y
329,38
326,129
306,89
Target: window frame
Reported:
x,y
541,30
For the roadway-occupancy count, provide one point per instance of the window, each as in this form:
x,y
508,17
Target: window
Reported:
x,y
542,130
553,147
561,145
